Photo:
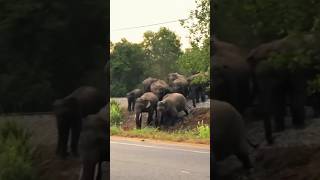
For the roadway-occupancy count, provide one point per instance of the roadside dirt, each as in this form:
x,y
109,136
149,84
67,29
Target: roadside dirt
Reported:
x,y
294,156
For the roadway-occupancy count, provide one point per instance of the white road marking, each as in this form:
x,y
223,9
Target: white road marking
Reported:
x,y
158,147
186,172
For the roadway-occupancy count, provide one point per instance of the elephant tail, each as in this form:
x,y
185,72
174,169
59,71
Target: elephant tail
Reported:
x,y
254,146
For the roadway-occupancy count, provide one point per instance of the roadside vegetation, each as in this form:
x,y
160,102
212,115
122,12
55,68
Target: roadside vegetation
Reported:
x,y
200,134
16,160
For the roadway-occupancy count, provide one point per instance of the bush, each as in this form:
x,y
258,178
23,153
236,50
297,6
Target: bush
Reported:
x,y
116,116
15,154
203,130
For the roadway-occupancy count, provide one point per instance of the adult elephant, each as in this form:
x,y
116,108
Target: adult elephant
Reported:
x,y
169,108
94,145
276,84
147,83
197,90
178,83
132,96
231,76
146,103
229,136
69,112
160,88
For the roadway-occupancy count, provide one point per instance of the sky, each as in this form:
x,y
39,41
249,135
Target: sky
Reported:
x,y
133,13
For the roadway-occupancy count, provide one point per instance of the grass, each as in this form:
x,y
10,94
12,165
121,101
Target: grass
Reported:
x,y
197,135
15,153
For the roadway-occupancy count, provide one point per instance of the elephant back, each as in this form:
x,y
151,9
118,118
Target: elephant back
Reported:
x,y
229,56
176,100
160,88
89,98
147,83
149,96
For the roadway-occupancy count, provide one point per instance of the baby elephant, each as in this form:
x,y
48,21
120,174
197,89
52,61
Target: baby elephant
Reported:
x,y
169,108
132,96
94,144
146,103
229,137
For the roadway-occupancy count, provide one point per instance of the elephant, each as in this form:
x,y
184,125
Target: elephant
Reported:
x,y
94,144
132,96
169,107
196,90
70,111
160,88
229,136
146,103
178,83
147,83
276,85
232,76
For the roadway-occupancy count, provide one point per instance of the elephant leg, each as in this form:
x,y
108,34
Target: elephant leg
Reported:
x,y
129,105
193,102
139,120
245,159
75,135
279,111
186,111
87,170
63,136
150,115
298,101
133,104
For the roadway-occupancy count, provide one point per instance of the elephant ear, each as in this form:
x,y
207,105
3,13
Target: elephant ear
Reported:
x,y
148,104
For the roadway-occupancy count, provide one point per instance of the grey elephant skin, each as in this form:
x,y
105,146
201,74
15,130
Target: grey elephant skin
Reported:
x,y
231,76
169,107
160,88
229,136
146,103
147,83
196,91
276,85
94,146
132,96
178,83
69,112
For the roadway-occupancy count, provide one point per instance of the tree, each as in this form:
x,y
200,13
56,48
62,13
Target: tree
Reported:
x,y
127,65
197,59
162,50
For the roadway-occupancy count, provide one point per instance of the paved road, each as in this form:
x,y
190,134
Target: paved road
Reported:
x,y
134,160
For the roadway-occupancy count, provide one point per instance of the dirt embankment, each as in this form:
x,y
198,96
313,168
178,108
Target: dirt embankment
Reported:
x,y
294,156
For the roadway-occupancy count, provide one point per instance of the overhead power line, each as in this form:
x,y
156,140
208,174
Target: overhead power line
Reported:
x,y
136,27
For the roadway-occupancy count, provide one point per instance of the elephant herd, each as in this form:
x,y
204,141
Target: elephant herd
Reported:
x,y
164,100
84,116
242,81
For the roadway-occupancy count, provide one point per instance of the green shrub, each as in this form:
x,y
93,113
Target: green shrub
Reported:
x,y
203,130
116,116
15,153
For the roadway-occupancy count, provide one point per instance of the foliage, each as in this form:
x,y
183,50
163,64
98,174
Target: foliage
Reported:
x,y
203,130
116,116
198,23
194,60
162,51
201,78
198,57
15,154
46,49
314,85
192,136
248,22
127,67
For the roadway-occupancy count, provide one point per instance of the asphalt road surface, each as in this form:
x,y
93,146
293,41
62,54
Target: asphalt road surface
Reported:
x,y
134,160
